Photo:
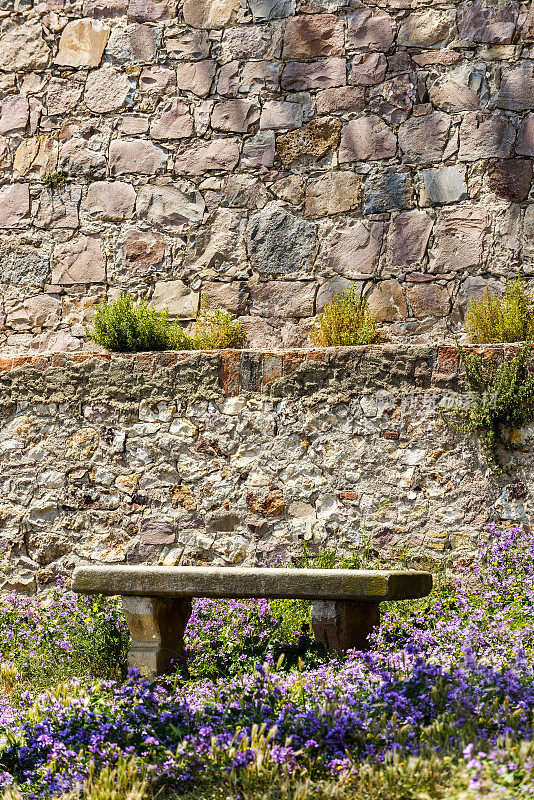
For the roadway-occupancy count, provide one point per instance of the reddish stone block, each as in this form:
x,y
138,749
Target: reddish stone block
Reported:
x,y
347,495
292,361
60,360
162,360
20,361
250,372
393,435
272,367
448,360
6,364
40,362
144,362
230,374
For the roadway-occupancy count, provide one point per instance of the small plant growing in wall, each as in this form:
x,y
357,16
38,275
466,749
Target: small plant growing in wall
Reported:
x,y
53,180
216,329
501,396
491,318
345,320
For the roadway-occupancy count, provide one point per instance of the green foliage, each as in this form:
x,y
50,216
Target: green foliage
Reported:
x,y
127,327
491,318
346,320
216,329
501,396
53,180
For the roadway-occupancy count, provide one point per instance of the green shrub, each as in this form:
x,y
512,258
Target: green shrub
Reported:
x,y
216,329
127,327
491,318
53,180
345,320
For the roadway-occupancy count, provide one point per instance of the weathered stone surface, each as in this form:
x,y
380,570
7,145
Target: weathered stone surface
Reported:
x,y
14,205
185,43
244,42
394,99
230,296
106,90
14,113
228,80
387,302
459,236
169,206
524,145
366,139
516,92
59,208
410,232
429,300
312,141
280,115
40,311
174,121
461,89
135,156
423,139
283,299
279,242
345,98
142,252
219,245
219,154
511,179
157,80
333,193
425,28
23,47
62,95
24,266
484,135
234,115
196,76
102,9
36,156
386,192
80,260
82,43
148,10
259,75
326,74
351,247
368,69
110,200
372,30
444,185
491,22
177,298
210,13
259,150
265,10
133,44
313,36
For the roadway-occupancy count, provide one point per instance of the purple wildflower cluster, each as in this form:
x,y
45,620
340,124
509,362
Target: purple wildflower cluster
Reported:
x,y
452,674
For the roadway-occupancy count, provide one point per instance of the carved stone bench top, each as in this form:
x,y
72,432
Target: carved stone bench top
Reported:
x,y
235,582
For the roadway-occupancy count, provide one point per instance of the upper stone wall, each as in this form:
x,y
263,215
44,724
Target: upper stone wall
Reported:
x,y
263,153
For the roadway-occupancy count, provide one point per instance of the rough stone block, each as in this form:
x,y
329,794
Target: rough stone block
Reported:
x,y
265,10
177,297
485,135
196,76
137,156
36,156
410,232
59,208
386,192
283,299
141,252
366,139
429,300
174,122
246,41
185,44
148,10
210,13
368,69
344,98
312,141
259,75
62,95
525,138
82,43
459,236
218,154
157,81
231,296
106,90
425,28
444,185
259,150
40,311
481,21
370,30
299,76
351,247
516,92
80,260
394,99
333,193
219,245
387,302
14,205
279,115
270,232
23,47
136,43
110,200
14,113
461,89
169,207
313,36
234,115
511,179
422,139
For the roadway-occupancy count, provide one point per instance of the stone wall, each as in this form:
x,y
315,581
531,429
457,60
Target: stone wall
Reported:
x,y
264,153
229,458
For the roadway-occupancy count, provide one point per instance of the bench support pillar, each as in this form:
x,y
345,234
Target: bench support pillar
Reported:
x,y
343,624
157,628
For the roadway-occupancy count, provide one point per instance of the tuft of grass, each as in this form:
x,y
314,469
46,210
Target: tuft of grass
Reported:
x,y
345,320
53,180
216,329
491,318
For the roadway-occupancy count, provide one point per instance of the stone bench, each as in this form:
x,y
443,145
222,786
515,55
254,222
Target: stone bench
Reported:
x,y
157,601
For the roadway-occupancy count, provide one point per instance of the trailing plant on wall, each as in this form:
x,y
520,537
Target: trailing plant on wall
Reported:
x,y
501,396
510,318
345,320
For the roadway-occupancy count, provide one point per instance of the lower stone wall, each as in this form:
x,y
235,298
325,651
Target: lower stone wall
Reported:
x,y
229,458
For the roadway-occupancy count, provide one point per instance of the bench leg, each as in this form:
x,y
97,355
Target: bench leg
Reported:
x,y
157,628
344,625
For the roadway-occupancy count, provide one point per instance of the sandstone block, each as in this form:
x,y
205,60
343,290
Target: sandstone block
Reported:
x,y
527,29
169,207
14,205
40,311
259,75
23,47
157,80
174,122
184,43
110,200
106,90
210,13
387,302
425,28
136,43
177,298
344,98
313,36
459,236
410,232
429,300
351,247
148,10
481,21
259,150
283,299
59,208
234,115
14,113
246,41
82,43
142,252
62,95
218,154
219,246
461,89
393,100
511,179
333,193
423,139
80,260
312,141
525,138
387,192
291,189
105,8
485,135
444,185
196,76
372,30
138,156
133,124
516,92
279,115
366,139
25,266
265,10
231,296
36,156
228,80
368,69
279,242
298,76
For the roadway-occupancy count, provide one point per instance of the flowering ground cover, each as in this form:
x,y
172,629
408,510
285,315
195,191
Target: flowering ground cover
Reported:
x,y
441,706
